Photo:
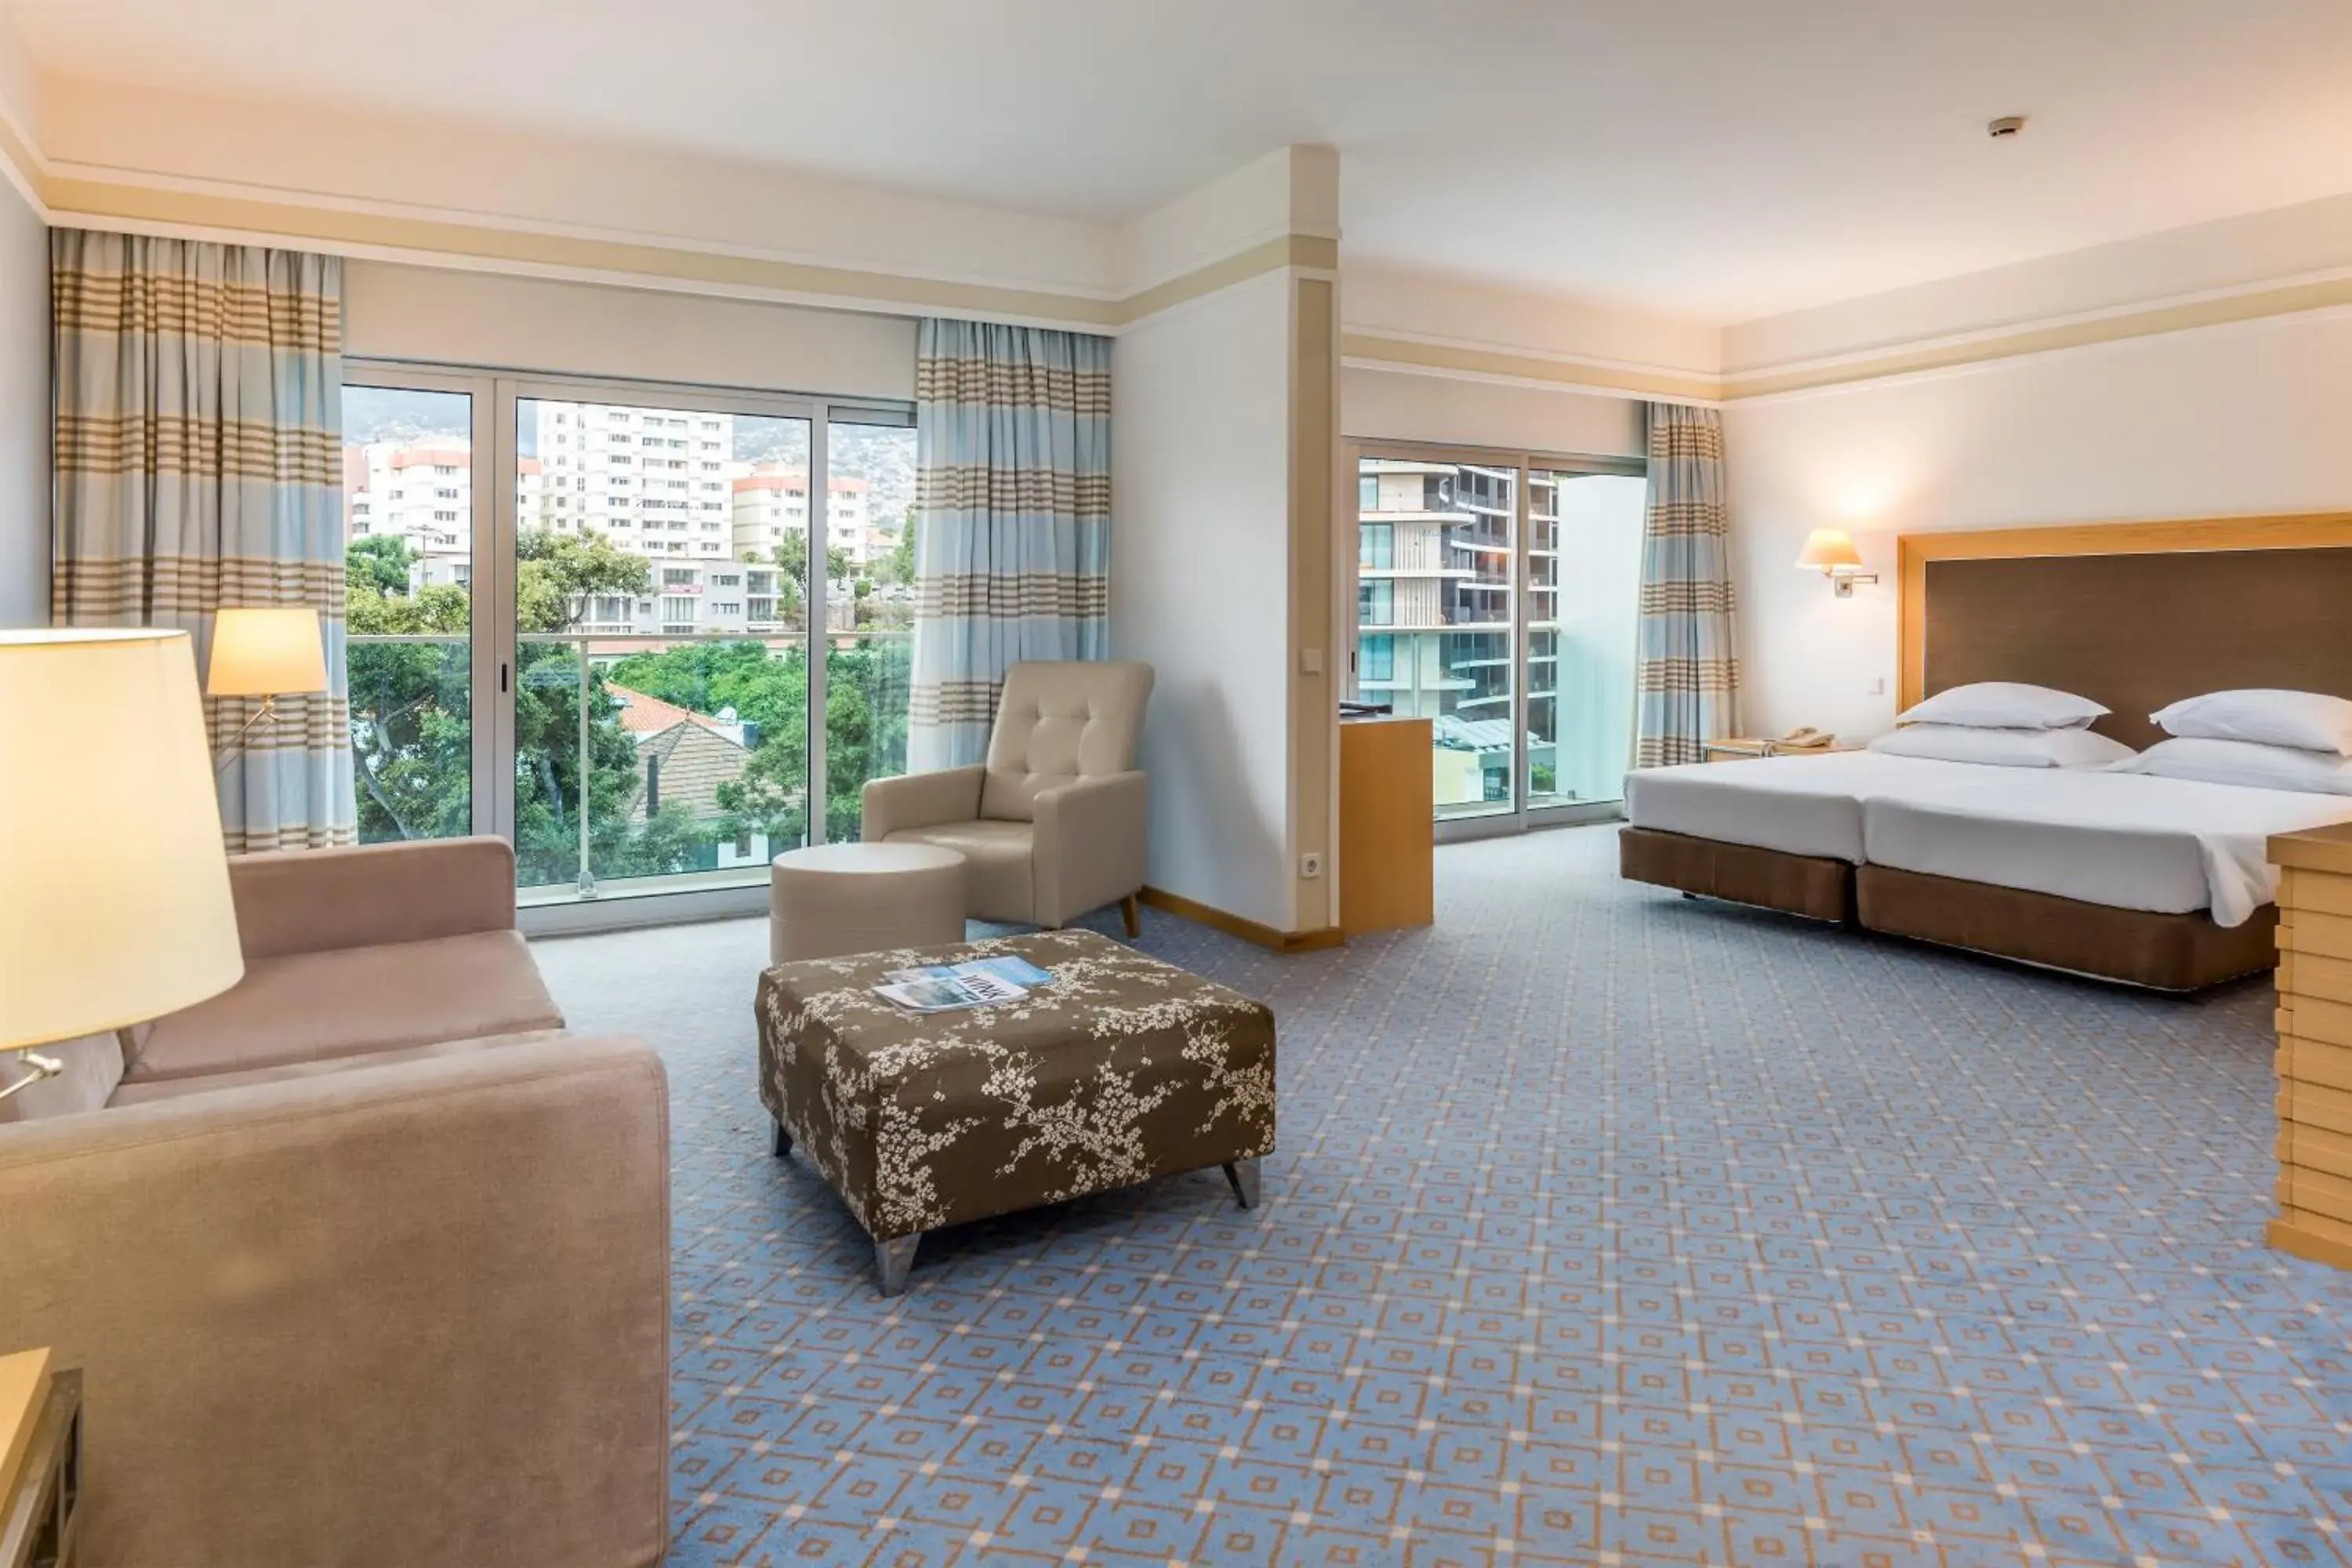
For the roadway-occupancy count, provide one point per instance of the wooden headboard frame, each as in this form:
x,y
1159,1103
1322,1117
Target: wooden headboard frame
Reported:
x,y
2303,531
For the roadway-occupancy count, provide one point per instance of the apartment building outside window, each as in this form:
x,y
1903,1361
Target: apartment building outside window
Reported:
x,y
1496,597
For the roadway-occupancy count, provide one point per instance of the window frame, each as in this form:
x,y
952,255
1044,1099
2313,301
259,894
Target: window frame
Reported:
x,y
495,527
1522,816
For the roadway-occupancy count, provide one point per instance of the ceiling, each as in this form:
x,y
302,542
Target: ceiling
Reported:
x,y
1718,160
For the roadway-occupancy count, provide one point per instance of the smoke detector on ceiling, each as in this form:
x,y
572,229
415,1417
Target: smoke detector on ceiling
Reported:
x,y
2006,126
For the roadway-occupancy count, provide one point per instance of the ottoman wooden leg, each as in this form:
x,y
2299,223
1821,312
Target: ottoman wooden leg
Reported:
x,y
892,1259
1242,1175
1130,908
784,1142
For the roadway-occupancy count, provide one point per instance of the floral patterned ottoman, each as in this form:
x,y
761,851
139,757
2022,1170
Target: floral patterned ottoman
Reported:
x,y
1123,1069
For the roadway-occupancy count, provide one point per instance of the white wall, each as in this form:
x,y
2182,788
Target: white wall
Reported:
x,y
2240,420
25,466
1201,587
1394,405
447,316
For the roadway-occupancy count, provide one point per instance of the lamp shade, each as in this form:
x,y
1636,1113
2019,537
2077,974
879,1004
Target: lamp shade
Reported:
x,y
1829,550
114,901
266,652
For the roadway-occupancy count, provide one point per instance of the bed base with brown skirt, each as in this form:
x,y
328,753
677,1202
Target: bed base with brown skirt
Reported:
x,y
1806,885
2137,947
2140,947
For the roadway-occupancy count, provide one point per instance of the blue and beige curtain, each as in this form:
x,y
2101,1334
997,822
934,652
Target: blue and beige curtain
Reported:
x,y
1686,675
1011,519
199,420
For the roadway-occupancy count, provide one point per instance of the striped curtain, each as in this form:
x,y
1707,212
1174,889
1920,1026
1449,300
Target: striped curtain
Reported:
x,y
1011,521
1686,675
199,425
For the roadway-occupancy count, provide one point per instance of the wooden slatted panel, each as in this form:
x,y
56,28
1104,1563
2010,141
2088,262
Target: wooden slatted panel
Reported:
x,y
2314,1051
2322,935
2321,1194
2315,1148
2326,1227
2318,891
2308,974
2316,1018
2328,1109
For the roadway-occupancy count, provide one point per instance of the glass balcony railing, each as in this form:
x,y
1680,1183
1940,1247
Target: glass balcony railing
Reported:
x,y
412,736
646,763
641,763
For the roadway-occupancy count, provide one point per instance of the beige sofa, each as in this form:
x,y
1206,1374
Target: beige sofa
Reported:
x,y
1057,822
363,1262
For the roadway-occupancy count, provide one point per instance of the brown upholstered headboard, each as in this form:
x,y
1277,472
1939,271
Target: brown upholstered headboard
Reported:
x,y
2132,615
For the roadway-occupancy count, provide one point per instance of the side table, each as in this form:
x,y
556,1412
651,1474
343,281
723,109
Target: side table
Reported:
x,y
40,1462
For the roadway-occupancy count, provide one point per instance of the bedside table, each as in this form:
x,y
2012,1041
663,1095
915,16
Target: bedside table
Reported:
x,y
40,1462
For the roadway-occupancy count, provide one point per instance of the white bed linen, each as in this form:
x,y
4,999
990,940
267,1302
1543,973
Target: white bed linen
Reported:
x,y
1800,806
2125,840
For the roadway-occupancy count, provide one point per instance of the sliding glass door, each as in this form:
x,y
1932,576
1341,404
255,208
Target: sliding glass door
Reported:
x,y
1496,598
421,666
627,647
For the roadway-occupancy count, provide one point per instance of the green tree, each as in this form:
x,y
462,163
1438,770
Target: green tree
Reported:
x,y
902,557
412,724
377,561
557,574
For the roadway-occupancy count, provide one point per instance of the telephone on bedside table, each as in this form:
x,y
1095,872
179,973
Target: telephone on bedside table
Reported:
x,y
1807,739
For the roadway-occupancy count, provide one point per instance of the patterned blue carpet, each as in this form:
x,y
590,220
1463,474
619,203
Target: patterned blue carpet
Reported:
x,y
1606,1227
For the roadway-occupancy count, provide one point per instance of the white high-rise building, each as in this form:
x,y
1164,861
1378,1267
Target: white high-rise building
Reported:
x,y
773,499
422,491
654,482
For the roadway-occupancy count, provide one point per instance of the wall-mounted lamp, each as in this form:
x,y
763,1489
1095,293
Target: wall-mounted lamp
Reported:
x,y
1831,551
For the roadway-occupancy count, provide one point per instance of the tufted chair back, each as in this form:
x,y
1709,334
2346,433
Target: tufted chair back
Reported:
x,y
1058,723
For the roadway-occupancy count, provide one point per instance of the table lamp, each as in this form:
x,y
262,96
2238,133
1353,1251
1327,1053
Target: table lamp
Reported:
x,y
114,900
266,653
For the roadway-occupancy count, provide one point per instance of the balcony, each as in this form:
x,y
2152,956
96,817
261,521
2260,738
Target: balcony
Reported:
x,y
641,763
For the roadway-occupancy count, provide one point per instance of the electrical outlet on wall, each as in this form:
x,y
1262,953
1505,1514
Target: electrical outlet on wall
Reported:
x,y
1877,686
1311,865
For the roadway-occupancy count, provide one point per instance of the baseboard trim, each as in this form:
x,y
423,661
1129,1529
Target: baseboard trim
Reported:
x,y
1264,936
2290,1237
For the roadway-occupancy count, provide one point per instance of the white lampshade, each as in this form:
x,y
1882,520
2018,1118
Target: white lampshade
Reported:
x,y
114,901
266,653
1829,550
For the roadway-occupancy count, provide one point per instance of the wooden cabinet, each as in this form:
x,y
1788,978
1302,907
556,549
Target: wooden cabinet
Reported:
x,y
40,1462
2315,1053
1387,825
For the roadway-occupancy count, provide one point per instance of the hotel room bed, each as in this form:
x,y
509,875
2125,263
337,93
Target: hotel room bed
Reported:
x,y
1784,833
2157,881
2124,840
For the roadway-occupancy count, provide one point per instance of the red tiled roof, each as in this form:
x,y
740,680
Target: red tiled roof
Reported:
x,y
771,476
642,714
456,456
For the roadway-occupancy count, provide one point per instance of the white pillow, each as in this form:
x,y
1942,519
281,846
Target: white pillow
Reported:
x,y
2004,705
2005,748
2304,719
2246,762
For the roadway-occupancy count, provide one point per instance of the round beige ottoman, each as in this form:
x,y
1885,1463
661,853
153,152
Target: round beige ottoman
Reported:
x,y
839,899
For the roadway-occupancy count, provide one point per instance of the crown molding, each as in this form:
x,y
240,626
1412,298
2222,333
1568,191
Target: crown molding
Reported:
x,y
2309,293
1388,349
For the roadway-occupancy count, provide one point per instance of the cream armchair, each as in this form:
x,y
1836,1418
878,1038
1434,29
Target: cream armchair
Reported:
x,y
1053,825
